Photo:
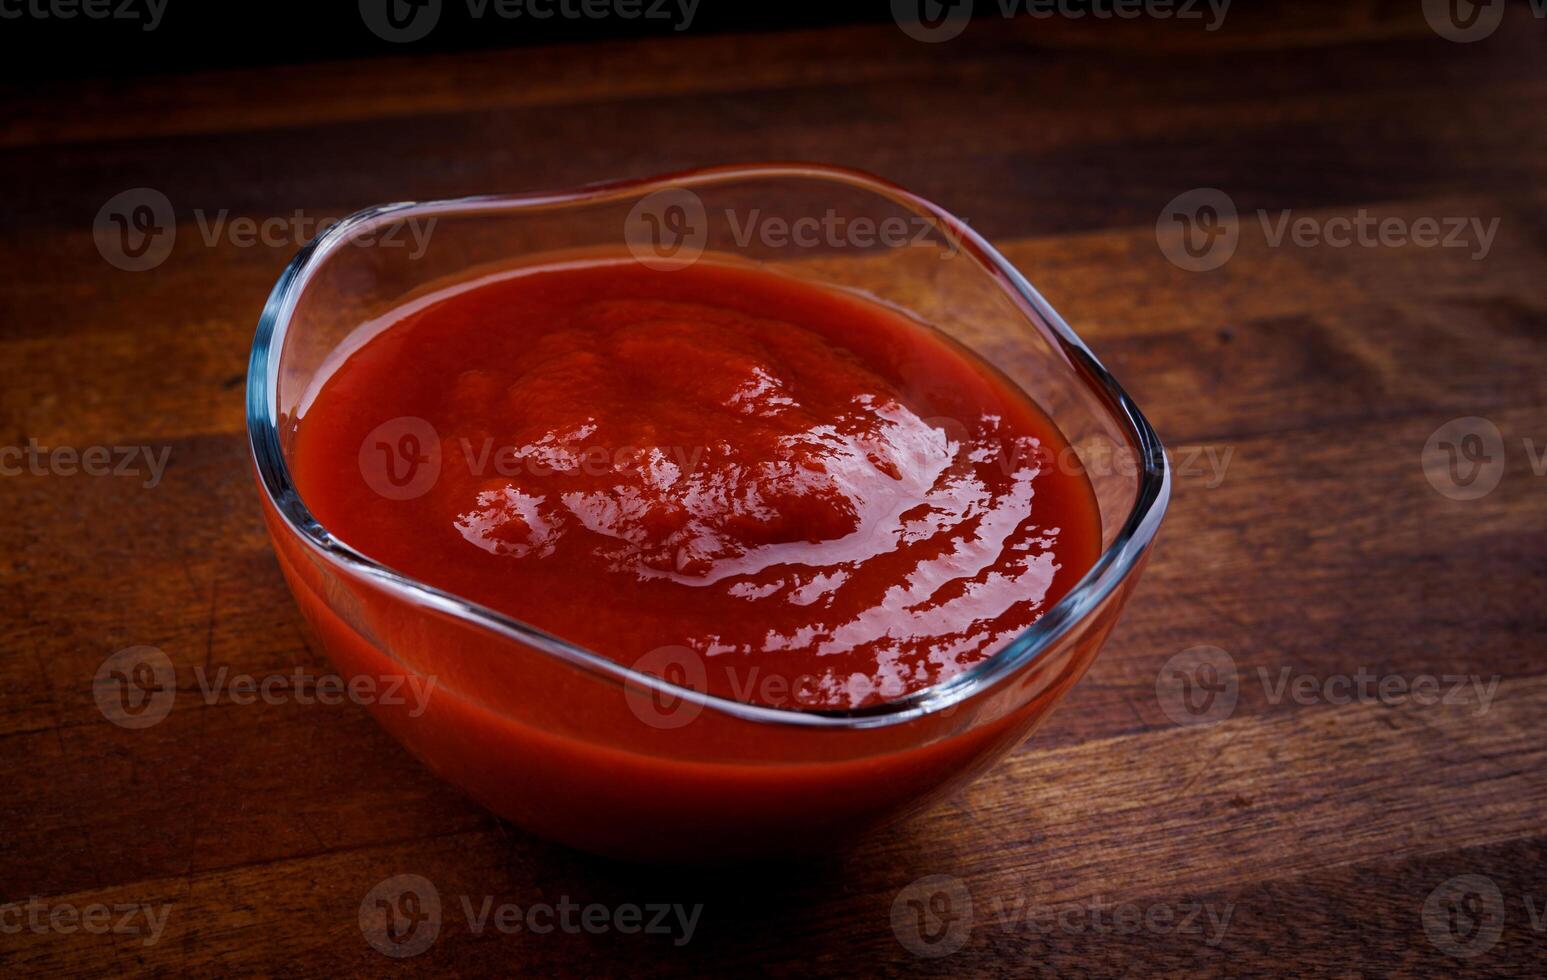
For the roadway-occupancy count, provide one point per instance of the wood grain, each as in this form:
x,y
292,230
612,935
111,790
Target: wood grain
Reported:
x,y
1320,828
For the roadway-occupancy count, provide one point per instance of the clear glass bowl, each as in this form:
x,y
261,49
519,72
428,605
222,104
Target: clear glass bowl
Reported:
x,y
643,765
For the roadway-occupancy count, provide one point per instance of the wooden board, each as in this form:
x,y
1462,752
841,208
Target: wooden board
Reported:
x,y
1303,831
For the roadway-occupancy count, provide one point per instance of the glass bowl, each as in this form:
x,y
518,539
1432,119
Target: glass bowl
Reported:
x,y
639,762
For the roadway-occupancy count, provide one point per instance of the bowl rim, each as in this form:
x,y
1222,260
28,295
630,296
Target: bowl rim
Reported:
x,y
1114,564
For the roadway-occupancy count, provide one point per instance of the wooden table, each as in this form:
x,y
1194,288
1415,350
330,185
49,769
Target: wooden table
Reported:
x,y
1303,830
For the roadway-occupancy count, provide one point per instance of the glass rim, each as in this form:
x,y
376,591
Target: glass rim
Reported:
x,y
1114,564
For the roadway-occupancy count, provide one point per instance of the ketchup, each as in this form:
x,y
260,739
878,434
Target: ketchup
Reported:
x,y
790,481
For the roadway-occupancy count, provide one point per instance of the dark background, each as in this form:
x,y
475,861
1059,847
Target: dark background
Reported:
x,y
202,34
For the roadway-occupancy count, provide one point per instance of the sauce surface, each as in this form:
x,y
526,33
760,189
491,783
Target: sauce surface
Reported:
x,y
829,504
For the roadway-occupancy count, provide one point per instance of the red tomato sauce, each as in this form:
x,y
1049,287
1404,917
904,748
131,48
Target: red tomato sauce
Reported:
x,y
829,503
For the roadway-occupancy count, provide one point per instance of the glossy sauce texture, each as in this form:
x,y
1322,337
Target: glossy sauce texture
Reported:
x,y
827,503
